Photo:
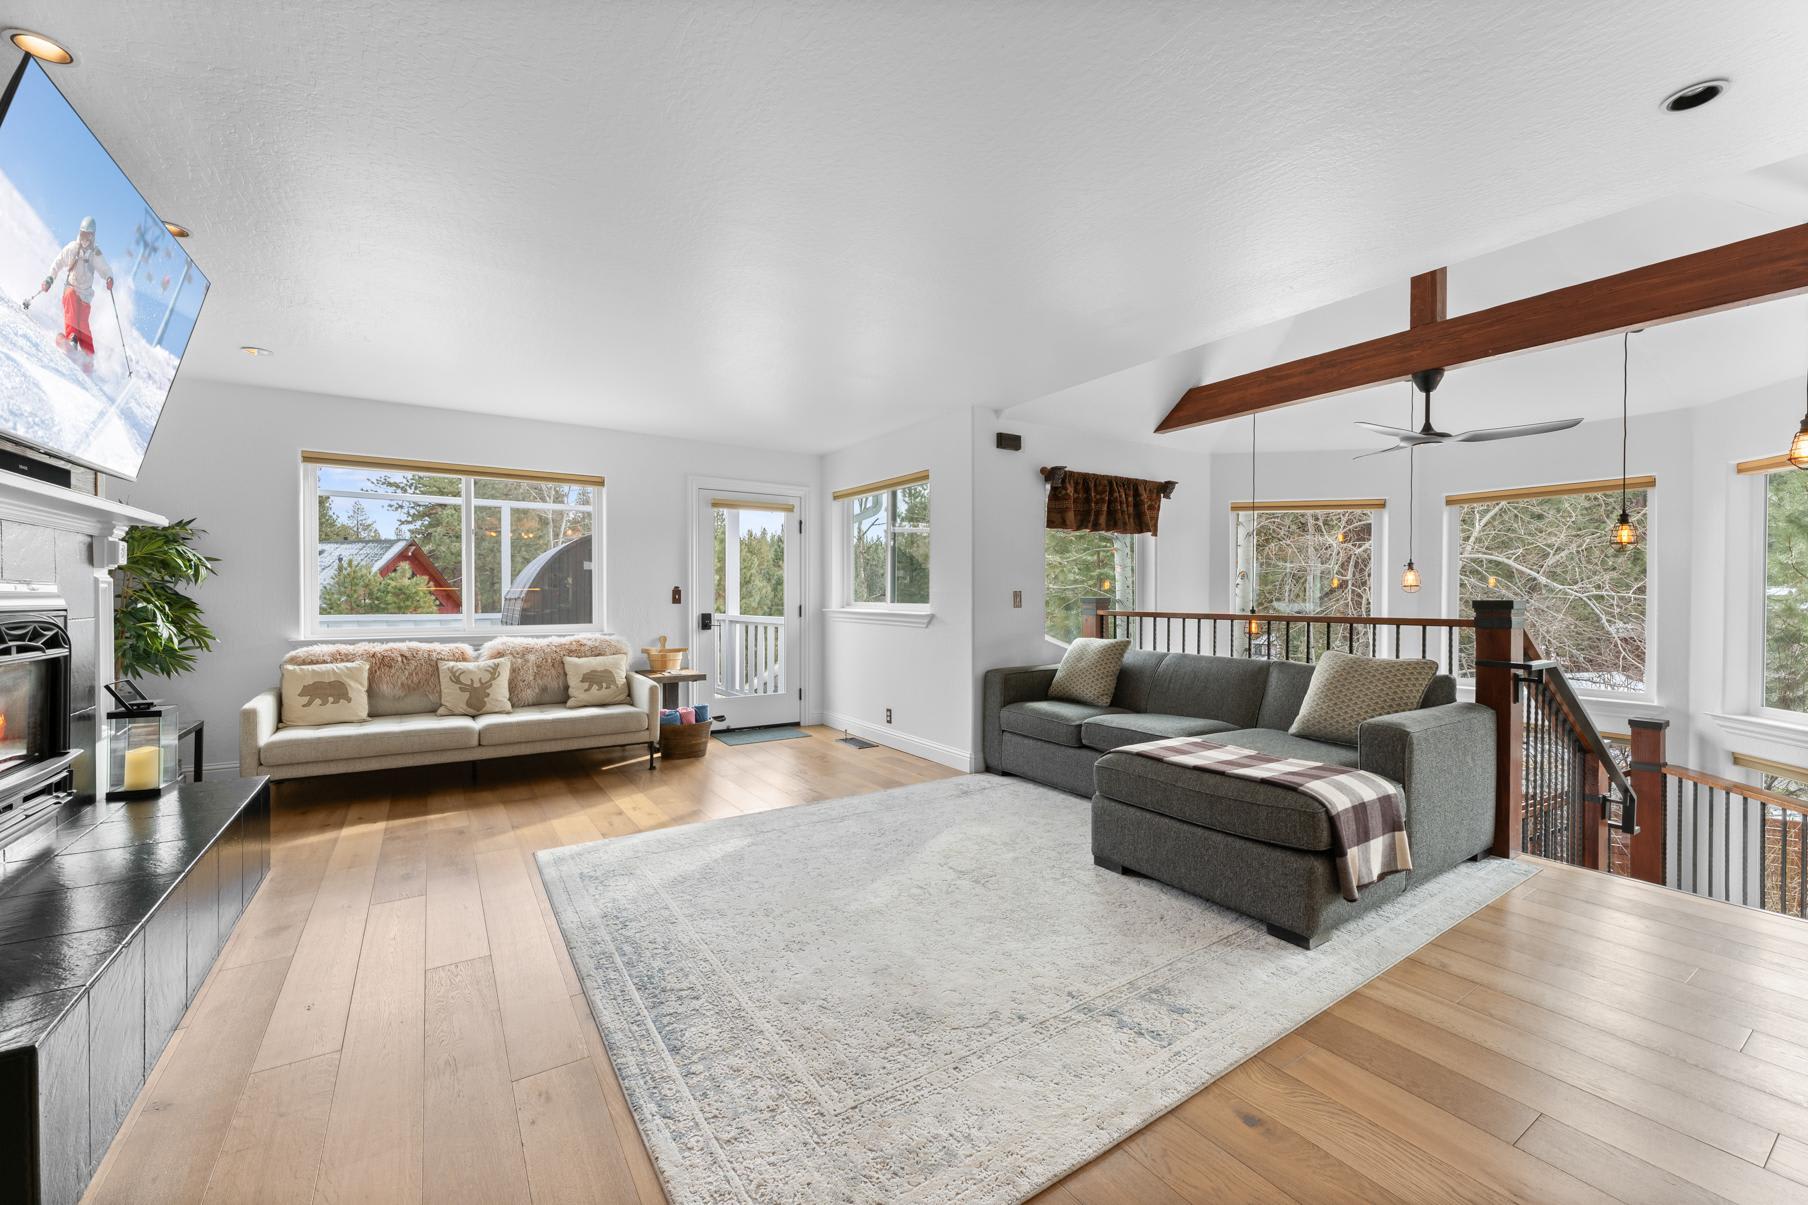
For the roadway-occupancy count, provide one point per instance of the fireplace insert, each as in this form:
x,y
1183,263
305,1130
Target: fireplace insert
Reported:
x,y
35,757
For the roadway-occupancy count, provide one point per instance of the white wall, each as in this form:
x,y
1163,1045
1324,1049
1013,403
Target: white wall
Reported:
x,y
920,673
1009,521
228,456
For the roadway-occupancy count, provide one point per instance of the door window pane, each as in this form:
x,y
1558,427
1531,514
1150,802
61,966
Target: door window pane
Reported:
x,y
749,627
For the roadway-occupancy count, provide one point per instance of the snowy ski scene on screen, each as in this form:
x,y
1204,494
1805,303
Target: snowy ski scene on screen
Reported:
x,y
97,298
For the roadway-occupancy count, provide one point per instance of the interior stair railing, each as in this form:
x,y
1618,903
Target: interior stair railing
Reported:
x,y
1559,792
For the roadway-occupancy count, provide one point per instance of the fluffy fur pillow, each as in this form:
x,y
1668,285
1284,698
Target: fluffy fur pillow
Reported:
x,y
404,674
537,673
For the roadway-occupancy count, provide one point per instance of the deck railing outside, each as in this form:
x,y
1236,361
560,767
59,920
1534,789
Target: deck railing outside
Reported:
x,y
750,654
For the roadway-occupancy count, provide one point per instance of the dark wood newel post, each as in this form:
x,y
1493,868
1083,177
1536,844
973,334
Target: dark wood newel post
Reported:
x,y
1089,615
1500,645
1649,756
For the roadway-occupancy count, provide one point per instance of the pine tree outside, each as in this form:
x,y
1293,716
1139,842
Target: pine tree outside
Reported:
x,y
1078,565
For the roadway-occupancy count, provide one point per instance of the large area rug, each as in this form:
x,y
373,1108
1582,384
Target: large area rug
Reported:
x,y
928,994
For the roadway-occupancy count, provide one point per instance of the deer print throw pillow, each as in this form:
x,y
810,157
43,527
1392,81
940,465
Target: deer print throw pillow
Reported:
x,y
596,681
474,688
337,693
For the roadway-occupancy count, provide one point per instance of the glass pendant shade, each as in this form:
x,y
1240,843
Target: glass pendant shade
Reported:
x,y
1409,578
1798,447
1625,535
1254,626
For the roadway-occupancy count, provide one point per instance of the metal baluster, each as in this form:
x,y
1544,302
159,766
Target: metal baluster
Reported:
x,y
1695,835
1726,851
1286,641
1214,624
1421,642
1308,642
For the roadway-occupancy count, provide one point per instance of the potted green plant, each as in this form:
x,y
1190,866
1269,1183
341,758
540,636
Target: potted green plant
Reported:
x,y
158,629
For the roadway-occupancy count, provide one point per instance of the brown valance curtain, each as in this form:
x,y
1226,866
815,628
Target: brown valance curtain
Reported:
x,y
1097,502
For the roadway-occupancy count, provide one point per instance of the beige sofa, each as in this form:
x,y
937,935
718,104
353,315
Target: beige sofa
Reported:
x,y
411,733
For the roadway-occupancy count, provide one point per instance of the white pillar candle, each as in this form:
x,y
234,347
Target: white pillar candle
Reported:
x,y
144,768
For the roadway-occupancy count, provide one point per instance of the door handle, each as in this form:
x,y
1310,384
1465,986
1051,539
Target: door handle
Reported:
x,y
705,622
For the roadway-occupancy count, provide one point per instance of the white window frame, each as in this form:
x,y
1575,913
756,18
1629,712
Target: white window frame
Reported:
x,y
1758,549
892,527
1142,588
1453,550
1377,579
467,628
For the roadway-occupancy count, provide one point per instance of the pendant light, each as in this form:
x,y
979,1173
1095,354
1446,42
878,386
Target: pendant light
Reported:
x,y
1625,535
1798,447
1253,627
1409,576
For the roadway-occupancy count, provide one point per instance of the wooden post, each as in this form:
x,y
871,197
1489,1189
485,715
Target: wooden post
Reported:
x,y
1089,615
1649,757
1597,839
1500,638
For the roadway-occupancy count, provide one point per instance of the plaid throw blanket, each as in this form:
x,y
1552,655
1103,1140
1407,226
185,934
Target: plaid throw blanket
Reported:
x,y
1368,824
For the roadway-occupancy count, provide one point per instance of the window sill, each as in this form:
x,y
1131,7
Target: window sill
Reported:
x,y
1792,733
465,635
901,617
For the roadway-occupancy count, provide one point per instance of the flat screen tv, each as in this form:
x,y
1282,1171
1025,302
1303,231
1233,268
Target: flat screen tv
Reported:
x,y
97,299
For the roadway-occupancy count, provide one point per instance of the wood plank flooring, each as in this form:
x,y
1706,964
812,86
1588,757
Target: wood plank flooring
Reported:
x,y
395,1019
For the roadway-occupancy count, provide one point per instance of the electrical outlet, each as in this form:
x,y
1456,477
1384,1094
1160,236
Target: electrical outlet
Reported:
x,y
1017,599
888,715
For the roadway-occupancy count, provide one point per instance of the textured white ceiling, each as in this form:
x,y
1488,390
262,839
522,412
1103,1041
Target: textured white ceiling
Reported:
x,y
798,224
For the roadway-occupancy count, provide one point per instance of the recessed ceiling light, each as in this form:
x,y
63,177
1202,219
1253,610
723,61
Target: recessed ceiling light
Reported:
x,y
255,351
40,47
178,231
1695,95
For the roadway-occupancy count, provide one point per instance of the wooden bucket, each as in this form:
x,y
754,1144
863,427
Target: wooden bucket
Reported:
x,y
663,660
678,741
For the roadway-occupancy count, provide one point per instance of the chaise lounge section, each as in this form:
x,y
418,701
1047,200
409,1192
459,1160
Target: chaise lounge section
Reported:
x,y
1258,848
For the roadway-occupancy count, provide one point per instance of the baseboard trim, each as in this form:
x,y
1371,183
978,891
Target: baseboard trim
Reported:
x,y
891,738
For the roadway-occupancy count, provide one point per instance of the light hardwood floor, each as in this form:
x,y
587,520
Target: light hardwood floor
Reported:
x,y
395,1020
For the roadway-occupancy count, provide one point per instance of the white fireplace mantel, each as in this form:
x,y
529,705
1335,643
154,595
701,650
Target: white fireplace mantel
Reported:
x,y
23,500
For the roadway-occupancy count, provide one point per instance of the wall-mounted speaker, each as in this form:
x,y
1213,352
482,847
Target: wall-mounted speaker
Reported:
x,y
1009,443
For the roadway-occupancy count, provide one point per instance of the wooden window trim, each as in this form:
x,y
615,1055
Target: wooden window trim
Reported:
x,y
1605,486
1310,504
352,460
880,487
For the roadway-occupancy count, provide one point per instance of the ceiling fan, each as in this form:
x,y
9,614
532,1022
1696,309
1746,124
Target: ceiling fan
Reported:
x,y
1427,380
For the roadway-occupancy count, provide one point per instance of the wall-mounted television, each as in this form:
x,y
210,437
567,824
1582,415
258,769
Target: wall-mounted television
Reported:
x,y
97,298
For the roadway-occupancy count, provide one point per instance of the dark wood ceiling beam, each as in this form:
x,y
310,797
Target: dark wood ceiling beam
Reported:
x,y
1764,268
1429,296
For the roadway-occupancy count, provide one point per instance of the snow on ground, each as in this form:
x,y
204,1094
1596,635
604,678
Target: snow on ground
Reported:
x,y
45,399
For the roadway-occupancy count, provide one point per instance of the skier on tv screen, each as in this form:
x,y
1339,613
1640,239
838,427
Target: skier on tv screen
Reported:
x,y
82,261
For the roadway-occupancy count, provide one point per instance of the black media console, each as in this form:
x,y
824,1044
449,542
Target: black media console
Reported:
x,y
111,915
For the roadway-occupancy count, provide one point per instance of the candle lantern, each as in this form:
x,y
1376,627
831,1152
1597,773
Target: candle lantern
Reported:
x,y
141,747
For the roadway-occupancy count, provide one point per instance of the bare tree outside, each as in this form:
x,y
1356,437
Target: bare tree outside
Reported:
x,y
1585,598
1311,562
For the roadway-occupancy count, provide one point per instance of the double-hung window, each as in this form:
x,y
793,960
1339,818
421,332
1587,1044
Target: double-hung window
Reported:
x,y
398,546
886,542
1587,600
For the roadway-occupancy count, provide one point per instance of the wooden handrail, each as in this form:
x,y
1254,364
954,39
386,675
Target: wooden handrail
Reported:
x,y
1361,621
1743,789
1593,743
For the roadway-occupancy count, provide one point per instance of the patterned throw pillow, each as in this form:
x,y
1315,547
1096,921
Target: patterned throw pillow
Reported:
x,y
596,681
326,694
1346,690
478,688
1088,672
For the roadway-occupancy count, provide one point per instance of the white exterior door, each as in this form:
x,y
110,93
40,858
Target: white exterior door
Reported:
x,y
745,595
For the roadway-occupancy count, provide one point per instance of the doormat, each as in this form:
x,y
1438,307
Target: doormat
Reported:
x,y
756,736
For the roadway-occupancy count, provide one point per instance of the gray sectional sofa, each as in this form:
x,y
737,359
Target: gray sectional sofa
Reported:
x,y
1260,849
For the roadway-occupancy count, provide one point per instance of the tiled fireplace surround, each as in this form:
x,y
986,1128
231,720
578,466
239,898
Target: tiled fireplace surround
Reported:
x,y
49,534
